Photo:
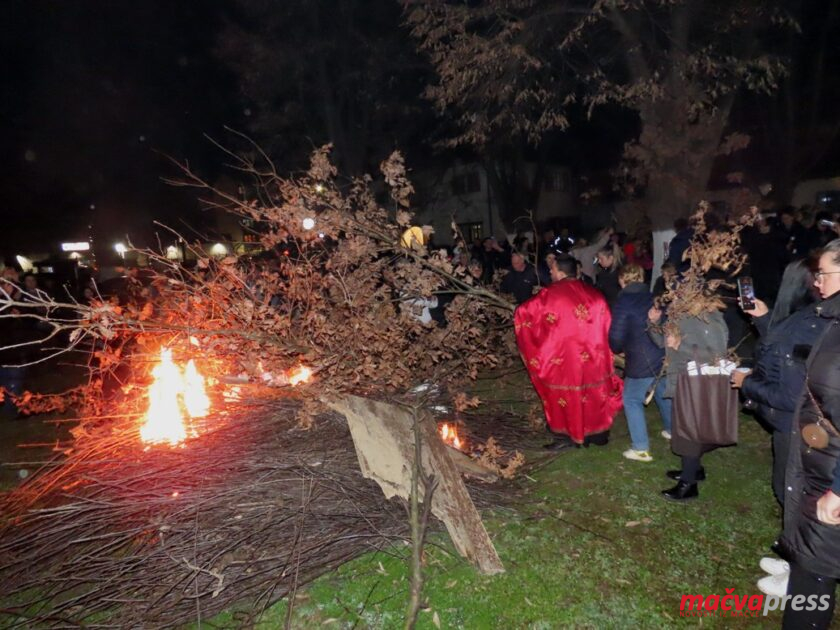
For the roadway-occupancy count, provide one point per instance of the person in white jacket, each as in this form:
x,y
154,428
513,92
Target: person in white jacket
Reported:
x,y
586,254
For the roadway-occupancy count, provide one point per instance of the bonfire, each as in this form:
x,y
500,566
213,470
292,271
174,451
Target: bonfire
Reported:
x,y
218,476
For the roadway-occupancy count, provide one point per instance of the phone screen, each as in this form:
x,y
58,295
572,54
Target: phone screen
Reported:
x,y
746,293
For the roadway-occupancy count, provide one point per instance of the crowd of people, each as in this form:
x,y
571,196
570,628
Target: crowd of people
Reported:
x,y
569,332
581,303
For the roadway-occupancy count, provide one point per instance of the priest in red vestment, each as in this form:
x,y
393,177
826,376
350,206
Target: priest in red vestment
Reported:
x,y
562,337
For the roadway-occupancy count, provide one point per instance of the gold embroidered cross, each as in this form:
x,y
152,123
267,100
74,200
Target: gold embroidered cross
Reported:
x,y
520,325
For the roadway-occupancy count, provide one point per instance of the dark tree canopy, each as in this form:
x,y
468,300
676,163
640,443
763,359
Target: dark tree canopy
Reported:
x,y
514,69
337,71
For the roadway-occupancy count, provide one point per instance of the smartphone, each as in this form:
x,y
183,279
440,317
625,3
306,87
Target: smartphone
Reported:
x,y
827,223
746,293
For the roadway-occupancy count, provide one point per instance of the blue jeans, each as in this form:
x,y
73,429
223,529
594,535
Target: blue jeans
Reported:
x,y
634,409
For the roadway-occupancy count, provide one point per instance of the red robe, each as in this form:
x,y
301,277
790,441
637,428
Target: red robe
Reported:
x,y
562,336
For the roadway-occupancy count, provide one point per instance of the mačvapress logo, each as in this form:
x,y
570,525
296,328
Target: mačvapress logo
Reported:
x,y
732,605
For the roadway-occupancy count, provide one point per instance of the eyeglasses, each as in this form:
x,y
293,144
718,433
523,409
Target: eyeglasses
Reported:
x,y
818,276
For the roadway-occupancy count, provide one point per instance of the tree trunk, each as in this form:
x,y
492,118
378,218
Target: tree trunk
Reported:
x,y
515,191
674,157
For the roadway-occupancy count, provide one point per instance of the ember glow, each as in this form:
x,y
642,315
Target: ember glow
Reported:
x,y
174,396
300,374
449,434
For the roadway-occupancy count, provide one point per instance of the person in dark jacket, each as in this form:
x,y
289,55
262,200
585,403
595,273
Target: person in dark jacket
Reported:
x,y
521,279
642,360
811,537
797,240
774,385
680,243
819,235
666,281
582,276
606,280
767,255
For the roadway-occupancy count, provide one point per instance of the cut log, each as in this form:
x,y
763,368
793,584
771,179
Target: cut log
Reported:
x,y
382,434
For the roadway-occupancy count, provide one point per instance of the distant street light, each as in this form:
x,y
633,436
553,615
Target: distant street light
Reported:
x,y
81,246
219,250
24,263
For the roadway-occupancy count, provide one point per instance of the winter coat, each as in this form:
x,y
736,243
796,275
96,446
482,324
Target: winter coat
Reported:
x,y
520,284
703,341
677,247
811,472
776,381
628,332
607,283
767,256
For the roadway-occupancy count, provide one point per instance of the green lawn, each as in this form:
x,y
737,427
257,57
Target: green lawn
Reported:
x,y
591,545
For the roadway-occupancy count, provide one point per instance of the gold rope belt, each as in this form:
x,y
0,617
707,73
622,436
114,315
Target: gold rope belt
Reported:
x,y
578,387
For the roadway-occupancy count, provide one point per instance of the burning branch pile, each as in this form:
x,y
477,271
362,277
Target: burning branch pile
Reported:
x,y
274,510
213,474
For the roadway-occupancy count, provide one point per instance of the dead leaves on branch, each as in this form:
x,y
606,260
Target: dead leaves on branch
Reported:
x,y
342,292
502,462
712,248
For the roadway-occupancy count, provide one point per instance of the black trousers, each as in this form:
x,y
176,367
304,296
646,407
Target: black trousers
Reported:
x,y
781,447
690,468
804,583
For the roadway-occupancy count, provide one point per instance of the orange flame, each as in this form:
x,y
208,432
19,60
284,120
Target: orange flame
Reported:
x,y
195,394
301,374
163,419
170,390
450,436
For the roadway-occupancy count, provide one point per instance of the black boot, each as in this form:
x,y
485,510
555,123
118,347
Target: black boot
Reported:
x,y
560,443
681,492
675,474
598,439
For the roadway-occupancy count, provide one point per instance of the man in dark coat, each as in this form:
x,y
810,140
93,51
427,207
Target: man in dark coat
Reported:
x,y
796,238
521,279
680,243
766,251
606,279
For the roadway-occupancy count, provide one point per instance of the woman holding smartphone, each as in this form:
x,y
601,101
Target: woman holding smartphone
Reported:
x,y
775,384
786,336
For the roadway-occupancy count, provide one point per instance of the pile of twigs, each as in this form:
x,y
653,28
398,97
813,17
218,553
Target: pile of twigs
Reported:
x,y
117,534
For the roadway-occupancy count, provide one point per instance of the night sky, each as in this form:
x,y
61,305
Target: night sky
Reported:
x,y
94,93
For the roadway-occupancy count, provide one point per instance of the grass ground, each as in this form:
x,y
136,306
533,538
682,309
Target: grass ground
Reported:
x,y
591,544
